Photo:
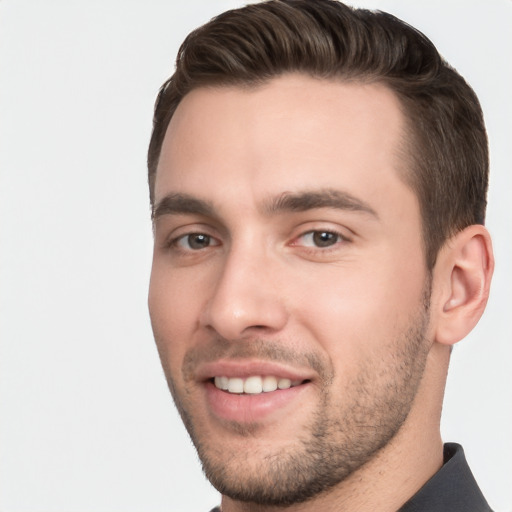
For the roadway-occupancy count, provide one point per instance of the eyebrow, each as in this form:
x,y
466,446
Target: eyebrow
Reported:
x,y
183,204
314,199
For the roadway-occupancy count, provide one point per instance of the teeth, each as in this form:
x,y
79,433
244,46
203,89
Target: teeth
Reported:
x,y
236,385
253,385
222,383
284,383
269,383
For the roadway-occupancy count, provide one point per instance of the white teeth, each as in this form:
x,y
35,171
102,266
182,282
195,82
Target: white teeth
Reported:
x,y
236,385
284,383
222,383
269,383
253,385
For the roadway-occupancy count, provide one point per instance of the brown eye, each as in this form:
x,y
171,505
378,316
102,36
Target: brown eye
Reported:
x,y
320,239
195,241
324,238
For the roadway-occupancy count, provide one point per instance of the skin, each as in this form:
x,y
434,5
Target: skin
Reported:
x,y
359,317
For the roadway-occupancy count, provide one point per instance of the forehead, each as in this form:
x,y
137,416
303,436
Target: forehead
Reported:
x,y
293,132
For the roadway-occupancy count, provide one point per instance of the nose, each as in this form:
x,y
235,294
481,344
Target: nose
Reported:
x,y
247,298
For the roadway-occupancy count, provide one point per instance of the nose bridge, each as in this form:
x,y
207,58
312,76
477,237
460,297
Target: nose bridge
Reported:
x,y
246,295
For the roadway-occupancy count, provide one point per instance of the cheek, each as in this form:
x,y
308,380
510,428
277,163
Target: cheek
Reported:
x,y
358,312
173,312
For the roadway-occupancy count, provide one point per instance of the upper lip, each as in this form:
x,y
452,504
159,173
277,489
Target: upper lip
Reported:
x,y
247,368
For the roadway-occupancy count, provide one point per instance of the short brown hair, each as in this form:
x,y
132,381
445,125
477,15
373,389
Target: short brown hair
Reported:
x,y
446,144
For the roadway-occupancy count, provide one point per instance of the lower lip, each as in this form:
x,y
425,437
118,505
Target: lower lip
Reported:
x,y
246,408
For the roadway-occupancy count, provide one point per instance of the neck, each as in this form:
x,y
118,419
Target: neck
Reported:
x,y
398,470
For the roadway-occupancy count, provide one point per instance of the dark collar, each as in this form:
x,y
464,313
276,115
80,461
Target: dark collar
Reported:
x,y
453,488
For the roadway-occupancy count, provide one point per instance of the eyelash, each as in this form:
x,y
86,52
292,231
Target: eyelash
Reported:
x,y
338,238
175,243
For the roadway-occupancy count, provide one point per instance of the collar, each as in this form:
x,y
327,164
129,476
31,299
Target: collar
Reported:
x,y
453,488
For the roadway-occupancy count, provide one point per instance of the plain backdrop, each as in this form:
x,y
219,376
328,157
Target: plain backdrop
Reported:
x,y
86,421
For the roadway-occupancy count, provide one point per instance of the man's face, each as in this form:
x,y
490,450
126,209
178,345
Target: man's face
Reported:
x,y
288,254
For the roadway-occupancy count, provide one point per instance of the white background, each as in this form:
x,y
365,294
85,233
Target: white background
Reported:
x,y
86,421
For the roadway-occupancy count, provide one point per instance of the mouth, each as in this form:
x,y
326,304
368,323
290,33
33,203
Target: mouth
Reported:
x,y
253,391
254,384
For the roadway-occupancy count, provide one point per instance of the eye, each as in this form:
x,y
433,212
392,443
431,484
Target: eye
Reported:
x,y
195,241
320,239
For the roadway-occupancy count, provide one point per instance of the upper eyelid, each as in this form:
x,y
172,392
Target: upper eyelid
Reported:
x,y
170,231
324,226
324,230
174,238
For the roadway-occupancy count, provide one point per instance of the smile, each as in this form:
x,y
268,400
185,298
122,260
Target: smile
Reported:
x,y
252,391
254,384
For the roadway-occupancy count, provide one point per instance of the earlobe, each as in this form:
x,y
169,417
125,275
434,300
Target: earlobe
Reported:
x,y
464,269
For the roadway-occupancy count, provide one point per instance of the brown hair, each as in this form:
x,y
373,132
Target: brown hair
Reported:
x,y
446,144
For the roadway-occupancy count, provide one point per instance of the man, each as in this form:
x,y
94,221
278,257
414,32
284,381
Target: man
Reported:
x,y
318,180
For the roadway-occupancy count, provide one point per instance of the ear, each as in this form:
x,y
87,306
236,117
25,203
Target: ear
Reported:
x,y
462,279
